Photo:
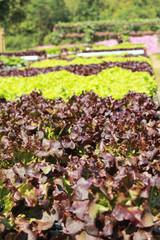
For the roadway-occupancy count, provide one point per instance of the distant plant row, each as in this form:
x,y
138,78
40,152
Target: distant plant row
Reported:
x,y
94,30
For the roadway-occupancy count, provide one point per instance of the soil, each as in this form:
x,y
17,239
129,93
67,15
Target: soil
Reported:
x,y
155,58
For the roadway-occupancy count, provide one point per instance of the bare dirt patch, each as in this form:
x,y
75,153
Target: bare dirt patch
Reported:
x,y
155,58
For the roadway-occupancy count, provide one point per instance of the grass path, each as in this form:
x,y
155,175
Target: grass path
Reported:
x,y
155,58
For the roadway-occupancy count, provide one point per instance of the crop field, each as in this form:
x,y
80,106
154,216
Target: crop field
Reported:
x,y
79,147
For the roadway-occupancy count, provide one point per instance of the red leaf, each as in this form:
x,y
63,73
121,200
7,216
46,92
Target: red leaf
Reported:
x,y
74,226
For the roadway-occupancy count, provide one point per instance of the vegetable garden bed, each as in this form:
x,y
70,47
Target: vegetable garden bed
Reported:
x,y
64,83
75,165
80,69
85,169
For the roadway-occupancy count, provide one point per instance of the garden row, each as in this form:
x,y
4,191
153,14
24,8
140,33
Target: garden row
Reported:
x,y
90,47
84,70
85,169
114,81
25,53
74,60
42,52
13,61
92,31
107,34
109,22
18,59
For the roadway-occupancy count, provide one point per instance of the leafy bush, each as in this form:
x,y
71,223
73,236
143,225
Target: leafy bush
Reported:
x,y
55,38
85,169
108,22
12,61
47,39
20,41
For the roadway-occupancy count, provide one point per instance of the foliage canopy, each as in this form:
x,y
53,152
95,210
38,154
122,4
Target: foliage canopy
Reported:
x,y
29,23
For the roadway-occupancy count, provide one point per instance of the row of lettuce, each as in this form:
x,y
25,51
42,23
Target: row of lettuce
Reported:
x,y
114,81
72,59
76,48
85,169
11,62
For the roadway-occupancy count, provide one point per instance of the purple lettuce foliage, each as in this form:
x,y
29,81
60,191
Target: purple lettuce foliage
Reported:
x,y
1,65
85,169
26,53
84,70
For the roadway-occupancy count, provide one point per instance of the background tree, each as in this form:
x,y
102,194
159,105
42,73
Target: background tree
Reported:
x,y
42,15
88,10
28,23
12,11
35,21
